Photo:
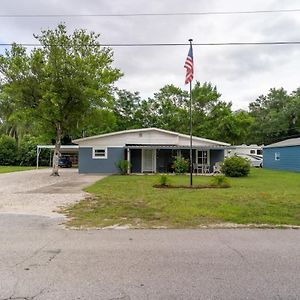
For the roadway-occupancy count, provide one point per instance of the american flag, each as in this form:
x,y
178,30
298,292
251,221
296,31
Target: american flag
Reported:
x,y
189,65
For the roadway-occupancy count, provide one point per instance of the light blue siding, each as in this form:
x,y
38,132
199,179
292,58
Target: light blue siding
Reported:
x,y
289,158
89,165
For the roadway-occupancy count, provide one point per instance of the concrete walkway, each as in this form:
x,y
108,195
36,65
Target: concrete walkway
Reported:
x,y
37,193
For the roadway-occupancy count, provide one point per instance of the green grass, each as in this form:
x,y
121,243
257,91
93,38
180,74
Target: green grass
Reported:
x,y
9,169
264,197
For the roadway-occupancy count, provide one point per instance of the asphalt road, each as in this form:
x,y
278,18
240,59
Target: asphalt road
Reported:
x,y
41,260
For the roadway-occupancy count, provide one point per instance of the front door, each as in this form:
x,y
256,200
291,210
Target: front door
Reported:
x,y
148,160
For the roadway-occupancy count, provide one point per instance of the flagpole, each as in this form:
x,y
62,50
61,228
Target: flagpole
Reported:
x,y
191,130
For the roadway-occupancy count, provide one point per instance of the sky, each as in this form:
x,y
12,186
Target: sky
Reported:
x,y
241,73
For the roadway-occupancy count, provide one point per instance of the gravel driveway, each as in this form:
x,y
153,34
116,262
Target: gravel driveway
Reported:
x,y
37,193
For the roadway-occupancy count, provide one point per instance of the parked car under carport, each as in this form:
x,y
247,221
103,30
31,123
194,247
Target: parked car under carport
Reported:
x,y
65,162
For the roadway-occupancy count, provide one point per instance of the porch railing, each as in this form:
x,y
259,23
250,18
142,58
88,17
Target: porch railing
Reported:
x,y
201,168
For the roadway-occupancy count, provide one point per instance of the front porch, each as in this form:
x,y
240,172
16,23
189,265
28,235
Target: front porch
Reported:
x,y
159,159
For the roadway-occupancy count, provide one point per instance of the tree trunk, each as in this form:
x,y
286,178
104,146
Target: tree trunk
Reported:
x,y
56,154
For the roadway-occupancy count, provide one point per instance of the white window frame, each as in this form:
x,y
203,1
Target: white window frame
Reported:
x,y
100,148
277,156
208,156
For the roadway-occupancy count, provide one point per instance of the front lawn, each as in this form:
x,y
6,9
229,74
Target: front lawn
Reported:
x,y
9,169
265,197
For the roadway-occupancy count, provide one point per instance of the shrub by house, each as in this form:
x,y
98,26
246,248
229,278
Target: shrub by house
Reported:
x,y
235,167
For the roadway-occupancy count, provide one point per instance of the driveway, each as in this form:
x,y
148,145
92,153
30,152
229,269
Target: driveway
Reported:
x,y
37,193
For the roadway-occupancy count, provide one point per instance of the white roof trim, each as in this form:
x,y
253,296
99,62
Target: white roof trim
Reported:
x,y
149,129
61,147
248,146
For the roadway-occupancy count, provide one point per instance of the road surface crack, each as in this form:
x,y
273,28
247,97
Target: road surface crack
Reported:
x,y
36,252
12,297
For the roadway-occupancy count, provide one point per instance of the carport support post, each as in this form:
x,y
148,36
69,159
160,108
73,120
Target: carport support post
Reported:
x,y
37,156
128,160
50,157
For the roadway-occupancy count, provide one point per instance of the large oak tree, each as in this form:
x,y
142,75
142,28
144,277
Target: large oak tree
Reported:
x,y
60,84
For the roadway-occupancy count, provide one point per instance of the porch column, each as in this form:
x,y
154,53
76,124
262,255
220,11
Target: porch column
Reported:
x,y
155,161
128,159
196,160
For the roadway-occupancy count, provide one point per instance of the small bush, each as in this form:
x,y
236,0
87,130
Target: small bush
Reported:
x,y
235,167
123,166
164,180
220,181
180,165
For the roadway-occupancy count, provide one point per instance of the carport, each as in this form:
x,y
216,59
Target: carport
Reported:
x,y
66,150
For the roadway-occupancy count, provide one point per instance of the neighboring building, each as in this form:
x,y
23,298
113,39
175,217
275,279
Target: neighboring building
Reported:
x,y
284,155
148,150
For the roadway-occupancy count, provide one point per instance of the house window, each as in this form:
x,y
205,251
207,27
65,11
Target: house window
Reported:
x,y
252,151
277,155
203,158
99,153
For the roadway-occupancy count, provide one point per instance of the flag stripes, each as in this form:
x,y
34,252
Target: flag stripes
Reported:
x,y
189,65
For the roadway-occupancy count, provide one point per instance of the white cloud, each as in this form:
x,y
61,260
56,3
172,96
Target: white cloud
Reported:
x,y
240,73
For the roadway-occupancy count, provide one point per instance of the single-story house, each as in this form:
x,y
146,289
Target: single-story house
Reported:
x,y
148,150
284,155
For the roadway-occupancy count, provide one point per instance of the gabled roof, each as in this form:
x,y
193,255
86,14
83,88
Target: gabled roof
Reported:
x,y
149,129
285,143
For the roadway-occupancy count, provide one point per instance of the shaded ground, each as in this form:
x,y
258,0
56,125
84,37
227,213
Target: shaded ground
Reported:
x,y
36,192
40,260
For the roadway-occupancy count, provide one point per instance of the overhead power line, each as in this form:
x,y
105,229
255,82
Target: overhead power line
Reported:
x,y
150,14
172,44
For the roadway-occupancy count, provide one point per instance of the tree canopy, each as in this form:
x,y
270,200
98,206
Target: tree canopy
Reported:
x,y
276,116
61,84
